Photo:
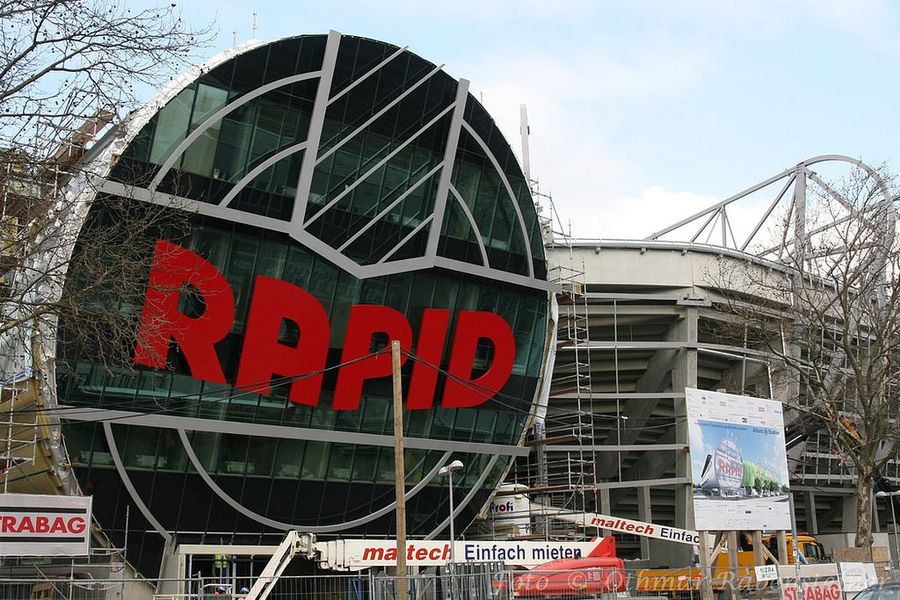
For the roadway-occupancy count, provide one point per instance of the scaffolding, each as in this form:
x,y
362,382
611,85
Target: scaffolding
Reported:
x,y
563,478
570,474
30,440
19,441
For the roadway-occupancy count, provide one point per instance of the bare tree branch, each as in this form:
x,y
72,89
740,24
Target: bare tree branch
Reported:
x,y
68,70
831,320
63,61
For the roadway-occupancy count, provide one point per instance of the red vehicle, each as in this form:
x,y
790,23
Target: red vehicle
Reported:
x,y
601,572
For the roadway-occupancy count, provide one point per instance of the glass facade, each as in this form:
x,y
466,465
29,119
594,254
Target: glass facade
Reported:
x,y
372,192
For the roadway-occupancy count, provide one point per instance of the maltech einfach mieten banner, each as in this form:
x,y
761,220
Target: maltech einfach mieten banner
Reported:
x,y
39,525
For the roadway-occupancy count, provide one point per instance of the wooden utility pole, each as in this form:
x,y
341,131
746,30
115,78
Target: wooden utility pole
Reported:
x,y
731,539
402,591
706,591
782,548
758,558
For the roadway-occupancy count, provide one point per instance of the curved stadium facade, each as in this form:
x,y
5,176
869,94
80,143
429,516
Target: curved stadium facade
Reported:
x,y
342,192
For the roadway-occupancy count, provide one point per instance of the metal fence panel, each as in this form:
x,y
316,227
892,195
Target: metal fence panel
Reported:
x,y
490,581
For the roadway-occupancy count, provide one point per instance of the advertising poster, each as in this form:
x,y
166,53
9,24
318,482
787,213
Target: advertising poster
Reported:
x,y
39,525
738,462
356,554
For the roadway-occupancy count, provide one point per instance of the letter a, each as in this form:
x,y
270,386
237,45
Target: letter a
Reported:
x,y
263,355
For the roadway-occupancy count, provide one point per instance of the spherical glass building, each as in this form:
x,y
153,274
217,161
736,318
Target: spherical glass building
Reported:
x,y
341,192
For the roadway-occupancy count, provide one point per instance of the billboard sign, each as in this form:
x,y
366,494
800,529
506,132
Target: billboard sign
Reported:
x,y
39,525
738,462
620,525
355,554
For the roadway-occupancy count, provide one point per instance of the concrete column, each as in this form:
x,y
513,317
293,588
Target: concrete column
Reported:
x,y
645,513
683,375
848,516
782,548
876,521
812,523
605,507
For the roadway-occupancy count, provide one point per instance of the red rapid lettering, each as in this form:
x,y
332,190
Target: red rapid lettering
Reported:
x,y
274,302
262,356
728,468
432,336
162,321
365,321
471,327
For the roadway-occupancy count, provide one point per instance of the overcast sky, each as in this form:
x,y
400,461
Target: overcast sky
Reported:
x,y
641,111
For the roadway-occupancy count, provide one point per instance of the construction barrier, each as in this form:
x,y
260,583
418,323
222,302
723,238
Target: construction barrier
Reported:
x,y
484,581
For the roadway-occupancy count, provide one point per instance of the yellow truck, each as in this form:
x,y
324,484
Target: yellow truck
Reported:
x,y
677,583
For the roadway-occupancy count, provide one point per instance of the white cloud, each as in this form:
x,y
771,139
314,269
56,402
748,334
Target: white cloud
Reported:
x,y
874,22
574,90
653,209
565,94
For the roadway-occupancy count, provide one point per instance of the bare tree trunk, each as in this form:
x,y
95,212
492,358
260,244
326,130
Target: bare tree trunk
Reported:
x,y
864,511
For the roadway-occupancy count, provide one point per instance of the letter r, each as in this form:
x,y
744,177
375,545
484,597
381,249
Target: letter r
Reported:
x,y
162,321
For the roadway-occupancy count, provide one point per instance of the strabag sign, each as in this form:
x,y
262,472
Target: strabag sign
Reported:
x,y
819,582
39,525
